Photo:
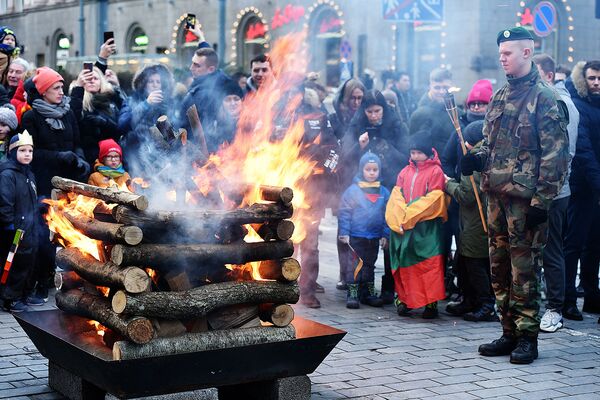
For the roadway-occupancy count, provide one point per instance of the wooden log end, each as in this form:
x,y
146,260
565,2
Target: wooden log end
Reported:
x,y
140,330
285,229
119,301
132,235
290,269
136,280
278,314
58,281
141,203
286,195
116,351
116,254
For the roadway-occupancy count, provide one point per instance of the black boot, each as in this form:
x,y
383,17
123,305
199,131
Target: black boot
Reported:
x,y
485,313
525,352
387,297
371,298
499,347
352,296
460,309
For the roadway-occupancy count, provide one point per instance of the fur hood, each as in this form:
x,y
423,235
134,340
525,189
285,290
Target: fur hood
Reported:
x,y
579,80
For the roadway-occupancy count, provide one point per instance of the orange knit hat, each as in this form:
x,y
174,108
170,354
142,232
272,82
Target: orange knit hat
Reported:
x,y
44,78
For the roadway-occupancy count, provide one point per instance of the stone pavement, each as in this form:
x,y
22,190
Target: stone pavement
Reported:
x,y
385,356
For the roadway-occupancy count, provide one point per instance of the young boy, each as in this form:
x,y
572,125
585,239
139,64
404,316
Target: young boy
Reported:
x,y
361,221
18,210
8,125
415,213
109,166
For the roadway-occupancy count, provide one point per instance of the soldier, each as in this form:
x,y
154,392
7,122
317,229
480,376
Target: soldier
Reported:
x,y
524,163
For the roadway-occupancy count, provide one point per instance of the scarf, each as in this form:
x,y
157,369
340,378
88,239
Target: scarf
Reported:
x,y
111,172
53,113
370,189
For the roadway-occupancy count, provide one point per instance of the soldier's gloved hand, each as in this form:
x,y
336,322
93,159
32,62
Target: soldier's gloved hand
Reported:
x,y
470,163
535,216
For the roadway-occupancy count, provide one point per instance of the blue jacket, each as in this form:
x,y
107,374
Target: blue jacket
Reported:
x,y
360,217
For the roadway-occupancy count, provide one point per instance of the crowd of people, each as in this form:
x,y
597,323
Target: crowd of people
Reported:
x,y
514,181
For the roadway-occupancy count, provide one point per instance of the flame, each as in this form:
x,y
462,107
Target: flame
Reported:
x,y
100,329
103,290
268,148
153,275
249,269
141,182
454,89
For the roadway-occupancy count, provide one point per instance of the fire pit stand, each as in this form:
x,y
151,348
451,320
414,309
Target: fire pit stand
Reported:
x,y
82,367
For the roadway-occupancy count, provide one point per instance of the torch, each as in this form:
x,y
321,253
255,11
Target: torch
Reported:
x,y
13,249
453,113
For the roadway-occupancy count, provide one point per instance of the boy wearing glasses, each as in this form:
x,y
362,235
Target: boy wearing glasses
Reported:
x,y
108,168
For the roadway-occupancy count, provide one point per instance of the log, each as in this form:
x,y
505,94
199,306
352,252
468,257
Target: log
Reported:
x,y
200,301
132,279
56,194
277,314
256,213
166,129
276,230
196,125
279,194
168,327
205,341
136,329
165,256
158,139
232,316
106,231
286,270
106,194
67,280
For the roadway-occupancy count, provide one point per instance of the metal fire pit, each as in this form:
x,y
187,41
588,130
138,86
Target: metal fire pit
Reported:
x,y
69,342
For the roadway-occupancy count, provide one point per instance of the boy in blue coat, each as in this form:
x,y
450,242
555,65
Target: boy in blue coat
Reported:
x,y
361,220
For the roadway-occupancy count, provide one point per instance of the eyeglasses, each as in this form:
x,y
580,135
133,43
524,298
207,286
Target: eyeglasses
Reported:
x,y
114,158
477,104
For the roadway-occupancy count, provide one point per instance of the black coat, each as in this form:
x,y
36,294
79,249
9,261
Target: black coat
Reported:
x,y
47,143
18,204
432,116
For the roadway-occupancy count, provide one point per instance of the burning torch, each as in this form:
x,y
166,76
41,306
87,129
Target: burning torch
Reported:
x,y
453,113
11,254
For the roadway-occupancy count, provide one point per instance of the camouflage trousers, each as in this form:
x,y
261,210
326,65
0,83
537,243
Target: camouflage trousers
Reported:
x,y
516,261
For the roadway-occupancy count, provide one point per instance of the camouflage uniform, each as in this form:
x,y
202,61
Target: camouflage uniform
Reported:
x,y
525,155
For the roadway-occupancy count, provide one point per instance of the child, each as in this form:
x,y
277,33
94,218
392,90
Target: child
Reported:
x,y
361,220
473,252
109,166
18,210
8,125
415,213
8,42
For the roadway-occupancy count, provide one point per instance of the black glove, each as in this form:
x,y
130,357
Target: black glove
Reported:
x,y
82,167
535,216
67,158
470,163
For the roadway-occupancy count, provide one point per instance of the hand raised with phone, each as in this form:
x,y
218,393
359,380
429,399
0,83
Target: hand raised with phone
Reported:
x,y
108,47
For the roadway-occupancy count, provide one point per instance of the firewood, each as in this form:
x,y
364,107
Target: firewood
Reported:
x,y
205,341
168,327
276,230
106,231
157,138
67,280
132,279
200,301
196,125
232,316
136,329
277,314
286,270
256,213
166,129
164,256
284,195
107,194
56,194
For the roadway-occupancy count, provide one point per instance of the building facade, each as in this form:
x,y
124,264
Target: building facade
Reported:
x,y
343,35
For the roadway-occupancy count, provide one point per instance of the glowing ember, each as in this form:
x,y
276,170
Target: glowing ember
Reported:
x,y
141,183
251,268
100,329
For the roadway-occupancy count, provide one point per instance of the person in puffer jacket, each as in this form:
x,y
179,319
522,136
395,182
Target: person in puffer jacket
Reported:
x,y
362,227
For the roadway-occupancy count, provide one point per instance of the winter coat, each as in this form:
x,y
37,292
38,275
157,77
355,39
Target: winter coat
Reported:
x,y
360,217
99,124
19,102
419,178
340,119
18,204
585,168
432,116
97,179
572,128
452,154
48,142
406,104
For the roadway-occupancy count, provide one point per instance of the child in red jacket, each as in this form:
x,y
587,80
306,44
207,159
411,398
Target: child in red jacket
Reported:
x,y
415,213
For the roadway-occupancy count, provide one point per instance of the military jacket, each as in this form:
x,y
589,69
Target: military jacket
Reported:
x,y
525,152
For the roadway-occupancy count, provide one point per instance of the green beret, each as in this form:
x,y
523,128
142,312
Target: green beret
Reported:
x,y
518,33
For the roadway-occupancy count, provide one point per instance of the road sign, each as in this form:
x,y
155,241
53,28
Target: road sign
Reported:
x,y
413,10
544,18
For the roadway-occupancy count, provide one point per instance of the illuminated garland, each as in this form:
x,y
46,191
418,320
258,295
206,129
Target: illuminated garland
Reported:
x,y
176,27
317,4
238,19
443,35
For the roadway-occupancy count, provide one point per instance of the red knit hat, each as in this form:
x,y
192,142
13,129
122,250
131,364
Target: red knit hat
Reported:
x,y
481,92
44,78
107,146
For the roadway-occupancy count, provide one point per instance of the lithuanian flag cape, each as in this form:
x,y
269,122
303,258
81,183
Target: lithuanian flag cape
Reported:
x,y
416,247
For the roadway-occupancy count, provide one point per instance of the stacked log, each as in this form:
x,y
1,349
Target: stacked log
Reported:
x,y
200,294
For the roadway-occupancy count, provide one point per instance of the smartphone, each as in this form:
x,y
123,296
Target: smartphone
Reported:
x,y
108,35
88,65
190,21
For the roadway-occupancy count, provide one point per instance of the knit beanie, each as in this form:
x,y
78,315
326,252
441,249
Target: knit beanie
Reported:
x,y
473,133
232,88
368,157
9,118
44,78
107,146
481,92
4,31
422,141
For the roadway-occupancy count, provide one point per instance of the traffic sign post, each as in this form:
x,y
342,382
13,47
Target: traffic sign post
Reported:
x,y
544,18
413,10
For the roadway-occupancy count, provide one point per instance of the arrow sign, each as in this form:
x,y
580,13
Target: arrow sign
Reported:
x,y
544,18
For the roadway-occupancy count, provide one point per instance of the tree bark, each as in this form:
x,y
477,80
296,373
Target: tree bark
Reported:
x,y
277,314
165,256
276,230
197,342
106,194
132,279
196,125
286,270
232,316
67,280
166,129
106,231
136,329
278,194
200,301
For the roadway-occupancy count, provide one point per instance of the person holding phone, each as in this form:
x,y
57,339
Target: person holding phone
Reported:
x,y
107,49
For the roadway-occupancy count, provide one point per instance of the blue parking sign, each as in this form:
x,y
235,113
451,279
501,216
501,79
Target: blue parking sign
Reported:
x,y
413,10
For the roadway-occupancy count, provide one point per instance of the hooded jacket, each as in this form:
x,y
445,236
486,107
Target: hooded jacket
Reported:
x,y
361,214
19,102
585,168
419,178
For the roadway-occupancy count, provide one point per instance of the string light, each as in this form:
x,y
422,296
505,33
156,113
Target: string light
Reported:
x,y
330,3
245,14
176,30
